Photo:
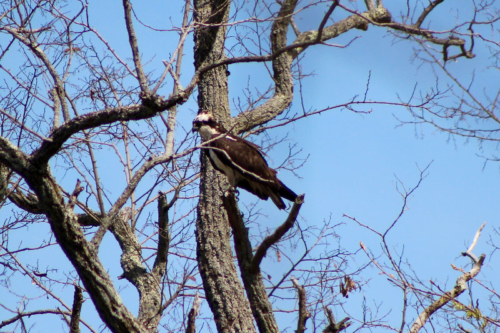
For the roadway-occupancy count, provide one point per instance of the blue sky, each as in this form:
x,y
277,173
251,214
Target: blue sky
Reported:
x,y
354,161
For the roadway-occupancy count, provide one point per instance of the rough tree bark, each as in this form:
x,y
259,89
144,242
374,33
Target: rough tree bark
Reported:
x,y
224,292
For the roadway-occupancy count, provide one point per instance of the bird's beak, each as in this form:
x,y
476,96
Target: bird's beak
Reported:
x,y
195,128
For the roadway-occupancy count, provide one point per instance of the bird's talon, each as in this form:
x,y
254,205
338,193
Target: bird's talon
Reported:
x,y
230,191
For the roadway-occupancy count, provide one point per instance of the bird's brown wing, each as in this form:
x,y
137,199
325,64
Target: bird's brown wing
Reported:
x,y
245,157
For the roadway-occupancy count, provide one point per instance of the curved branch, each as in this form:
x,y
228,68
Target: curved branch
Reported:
x,y
103,117
282,75
278,233
426,12
32,313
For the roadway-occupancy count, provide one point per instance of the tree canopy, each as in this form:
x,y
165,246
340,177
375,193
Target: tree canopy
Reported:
x,y
114,219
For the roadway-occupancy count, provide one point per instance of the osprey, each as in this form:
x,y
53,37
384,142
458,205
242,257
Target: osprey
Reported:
x,y
241,161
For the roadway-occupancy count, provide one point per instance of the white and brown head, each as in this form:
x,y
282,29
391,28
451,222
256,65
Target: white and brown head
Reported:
x,y
206,125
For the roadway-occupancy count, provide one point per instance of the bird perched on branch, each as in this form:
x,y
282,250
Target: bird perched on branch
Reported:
x,y
241,161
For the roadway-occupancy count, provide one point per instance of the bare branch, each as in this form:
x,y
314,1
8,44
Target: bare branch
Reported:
x,y
163,234
191,325
473,244
74,196
333,326
32,313
77,308
252,278
135,48
458,289
370,5
426,12
24,127
326,17
278,233
303,313
33,45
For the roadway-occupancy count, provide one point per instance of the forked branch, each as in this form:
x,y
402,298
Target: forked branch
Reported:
x,y
333,326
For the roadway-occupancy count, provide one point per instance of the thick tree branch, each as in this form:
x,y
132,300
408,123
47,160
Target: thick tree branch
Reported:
x,y
96,119
147,284
469,253
282,61
355,21
282,75
370,5
262,309
5,175
64,224
12,157
458,289
382,17
224,292
93,219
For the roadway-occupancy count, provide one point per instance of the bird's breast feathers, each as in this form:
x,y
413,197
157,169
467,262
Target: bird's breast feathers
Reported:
x,y
226,169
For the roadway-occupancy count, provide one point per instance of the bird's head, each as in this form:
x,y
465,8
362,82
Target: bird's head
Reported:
x,y
206,125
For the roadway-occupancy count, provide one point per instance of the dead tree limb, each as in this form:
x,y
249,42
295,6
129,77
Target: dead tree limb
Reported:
x,y
457,290
303,313
333,326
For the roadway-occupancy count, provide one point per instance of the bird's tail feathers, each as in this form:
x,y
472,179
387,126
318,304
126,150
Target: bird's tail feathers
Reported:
x,y
275,197
286,193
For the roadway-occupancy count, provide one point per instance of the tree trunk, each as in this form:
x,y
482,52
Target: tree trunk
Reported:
x,y
223,289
